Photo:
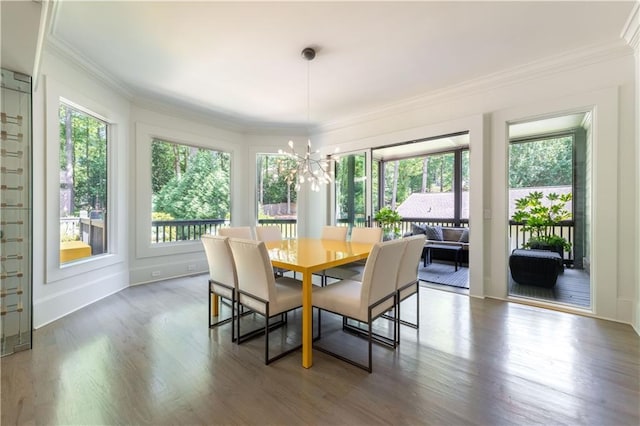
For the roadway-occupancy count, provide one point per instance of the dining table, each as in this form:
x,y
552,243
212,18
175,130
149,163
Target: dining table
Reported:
x,y
309,256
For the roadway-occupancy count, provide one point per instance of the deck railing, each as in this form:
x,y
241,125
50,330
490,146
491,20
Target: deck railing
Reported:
x,y
93,232
566,230
517,237
166,231
180,230
89,231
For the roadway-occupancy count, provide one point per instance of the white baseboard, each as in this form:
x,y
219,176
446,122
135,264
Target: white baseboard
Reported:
x,y
147,274
58,305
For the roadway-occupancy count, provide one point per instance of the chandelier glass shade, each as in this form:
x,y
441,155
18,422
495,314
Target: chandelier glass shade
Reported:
x,y
304,168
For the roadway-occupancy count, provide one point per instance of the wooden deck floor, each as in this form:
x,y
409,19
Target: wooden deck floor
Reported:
x,y
572,288
146,356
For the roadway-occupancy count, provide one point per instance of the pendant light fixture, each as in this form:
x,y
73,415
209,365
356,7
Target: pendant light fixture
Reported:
x,y
306,169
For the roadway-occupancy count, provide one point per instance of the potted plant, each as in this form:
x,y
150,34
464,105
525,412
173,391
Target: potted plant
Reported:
x,y
388,219
539,215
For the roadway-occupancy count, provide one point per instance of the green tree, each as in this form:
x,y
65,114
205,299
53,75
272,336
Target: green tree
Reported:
x,y
545,162
201,191
83,159
350,190
162,164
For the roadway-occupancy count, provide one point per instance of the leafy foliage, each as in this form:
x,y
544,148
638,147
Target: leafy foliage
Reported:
x,y
83,160
546,162
273,187
388,220
350,187
200,189
539,217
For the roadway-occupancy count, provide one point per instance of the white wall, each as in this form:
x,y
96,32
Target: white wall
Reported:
x,y
57,290
631,34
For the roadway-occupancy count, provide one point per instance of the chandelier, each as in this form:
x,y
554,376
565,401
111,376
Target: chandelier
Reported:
x,y
304,168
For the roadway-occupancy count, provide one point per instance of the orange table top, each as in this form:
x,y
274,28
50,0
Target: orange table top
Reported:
x,y
312,254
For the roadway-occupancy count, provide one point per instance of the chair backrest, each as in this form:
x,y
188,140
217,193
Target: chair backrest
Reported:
x,y
408,268
222,268
268,233
381,270
366,235
334,233
237,232
253,266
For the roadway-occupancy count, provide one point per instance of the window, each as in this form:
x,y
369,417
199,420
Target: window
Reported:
x,y
433,187
276,199
191,191
83,184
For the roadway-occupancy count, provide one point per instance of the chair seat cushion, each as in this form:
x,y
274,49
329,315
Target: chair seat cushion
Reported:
x,y
289,295
345,297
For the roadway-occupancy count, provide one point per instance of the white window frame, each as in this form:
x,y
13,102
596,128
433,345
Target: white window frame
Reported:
x,y
55,271
145,135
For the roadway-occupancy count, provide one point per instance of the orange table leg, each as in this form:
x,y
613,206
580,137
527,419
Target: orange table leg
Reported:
x,y
215,306
307,324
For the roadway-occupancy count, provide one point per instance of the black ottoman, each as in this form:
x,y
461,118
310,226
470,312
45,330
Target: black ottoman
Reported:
x,y
535,267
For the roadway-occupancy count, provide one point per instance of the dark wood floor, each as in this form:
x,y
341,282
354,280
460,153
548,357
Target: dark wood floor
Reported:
x,y
146,356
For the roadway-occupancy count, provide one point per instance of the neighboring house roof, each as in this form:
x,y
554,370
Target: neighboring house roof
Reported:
x,y
432,205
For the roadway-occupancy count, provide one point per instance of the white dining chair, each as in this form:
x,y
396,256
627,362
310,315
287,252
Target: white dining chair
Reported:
x,y
338,233
364,301
264,294
366,235
354,270
407,283
223,280
237,232
268,233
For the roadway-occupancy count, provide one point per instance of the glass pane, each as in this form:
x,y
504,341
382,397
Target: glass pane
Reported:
x,y
83,185
191,191
350,185
430,178
543,166
276,199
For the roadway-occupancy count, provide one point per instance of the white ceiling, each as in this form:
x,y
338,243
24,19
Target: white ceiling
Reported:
x,y
241,61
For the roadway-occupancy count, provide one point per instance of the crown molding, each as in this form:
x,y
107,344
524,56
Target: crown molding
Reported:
x,y
63,51
66,53
552,65
631,29
188,111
